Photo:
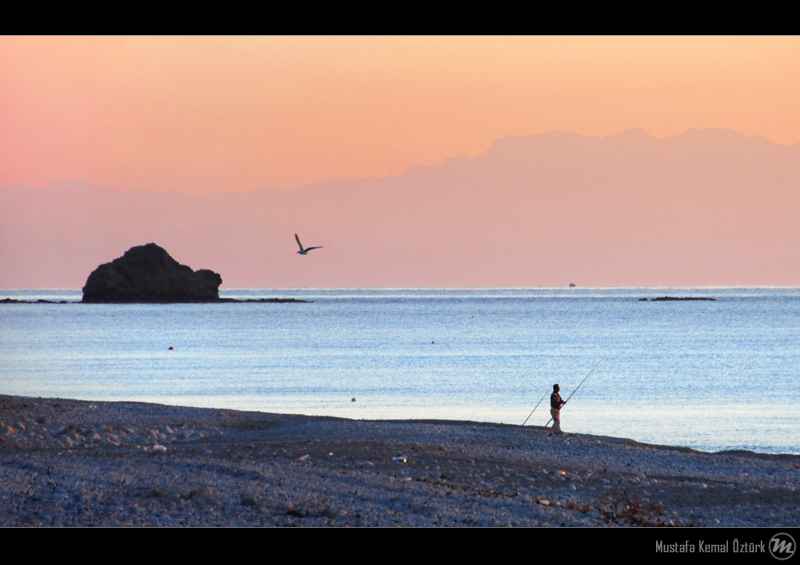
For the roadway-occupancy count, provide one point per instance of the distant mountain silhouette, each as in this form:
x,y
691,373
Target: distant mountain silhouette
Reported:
x,y
705,207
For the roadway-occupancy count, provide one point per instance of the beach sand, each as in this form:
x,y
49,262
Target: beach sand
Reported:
x,y
83,463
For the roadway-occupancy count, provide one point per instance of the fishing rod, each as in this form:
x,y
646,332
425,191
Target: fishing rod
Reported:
x,y
576,388
534,409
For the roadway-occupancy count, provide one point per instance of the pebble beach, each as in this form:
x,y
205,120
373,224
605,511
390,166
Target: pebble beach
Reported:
x,y
85,463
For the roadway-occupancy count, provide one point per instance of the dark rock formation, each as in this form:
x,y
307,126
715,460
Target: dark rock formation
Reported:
x,y
147,273
266,300
40,301
668,298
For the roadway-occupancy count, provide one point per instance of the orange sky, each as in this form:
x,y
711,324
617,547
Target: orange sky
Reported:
x,y
230,114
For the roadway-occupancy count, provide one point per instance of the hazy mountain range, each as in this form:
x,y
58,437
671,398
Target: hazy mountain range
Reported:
x,y
708,207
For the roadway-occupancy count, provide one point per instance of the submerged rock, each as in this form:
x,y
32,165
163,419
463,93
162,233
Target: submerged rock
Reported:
x,y
669,298
147,273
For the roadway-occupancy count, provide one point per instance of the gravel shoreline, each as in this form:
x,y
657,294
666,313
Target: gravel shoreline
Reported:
x,y
82,463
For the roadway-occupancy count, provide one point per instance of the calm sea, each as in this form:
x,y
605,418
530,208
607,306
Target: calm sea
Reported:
x,y
710,375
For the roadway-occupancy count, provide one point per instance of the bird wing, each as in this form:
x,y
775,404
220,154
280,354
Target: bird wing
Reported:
x,y
298,242
310,248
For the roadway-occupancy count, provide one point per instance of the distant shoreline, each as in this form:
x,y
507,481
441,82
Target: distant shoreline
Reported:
x,y
673,298
236,300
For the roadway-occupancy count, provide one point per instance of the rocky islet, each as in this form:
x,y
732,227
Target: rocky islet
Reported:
x,y
147,273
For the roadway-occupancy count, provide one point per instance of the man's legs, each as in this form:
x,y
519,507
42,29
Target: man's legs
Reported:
x,y
556,414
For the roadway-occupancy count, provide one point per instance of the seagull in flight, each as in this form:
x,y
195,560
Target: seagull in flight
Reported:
x,y
303,250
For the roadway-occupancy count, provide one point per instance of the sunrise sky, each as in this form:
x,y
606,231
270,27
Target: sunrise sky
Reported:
x,y
414,161
231,114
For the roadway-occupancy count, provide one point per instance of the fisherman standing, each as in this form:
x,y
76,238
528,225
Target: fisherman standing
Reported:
x,y
555,408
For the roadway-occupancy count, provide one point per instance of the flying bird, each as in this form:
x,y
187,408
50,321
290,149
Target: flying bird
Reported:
x,y
303,250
